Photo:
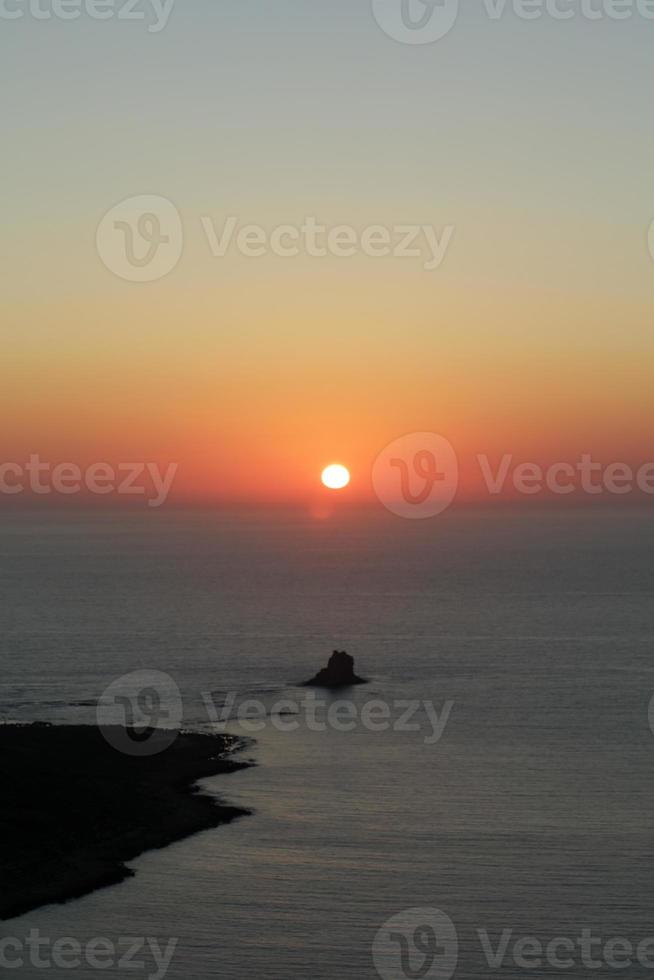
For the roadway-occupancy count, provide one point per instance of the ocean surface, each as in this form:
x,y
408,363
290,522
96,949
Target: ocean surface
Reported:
x,y
532,812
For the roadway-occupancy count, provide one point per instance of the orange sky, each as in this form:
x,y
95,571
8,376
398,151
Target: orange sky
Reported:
x,y
534,337
252,408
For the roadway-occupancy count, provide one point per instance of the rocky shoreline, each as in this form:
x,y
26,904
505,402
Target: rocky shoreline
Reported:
x,y
74,809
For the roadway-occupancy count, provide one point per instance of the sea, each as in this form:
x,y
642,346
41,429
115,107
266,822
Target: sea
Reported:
x,y
484,805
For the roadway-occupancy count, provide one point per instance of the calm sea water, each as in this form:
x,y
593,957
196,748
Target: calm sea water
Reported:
x,y
534,810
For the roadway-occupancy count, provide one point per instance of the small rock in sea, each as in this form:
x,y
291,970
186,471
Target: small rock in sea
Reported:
x,y
339,672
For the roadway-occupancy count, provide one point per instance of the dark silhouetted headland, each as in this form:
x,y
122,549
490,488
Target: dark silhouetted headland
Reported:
x,y
74,809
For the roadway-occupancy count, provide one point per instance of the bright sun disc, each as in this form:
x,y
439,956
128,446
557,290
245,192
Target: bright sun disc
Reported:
x,y
335,476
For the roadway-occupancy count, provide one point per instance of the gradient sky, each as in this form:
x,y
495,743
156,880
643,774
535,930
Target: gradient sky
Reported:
x,y
534,337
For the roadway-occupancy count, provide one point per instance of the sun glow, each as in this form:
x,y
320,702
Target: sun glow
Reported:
x,y
335,476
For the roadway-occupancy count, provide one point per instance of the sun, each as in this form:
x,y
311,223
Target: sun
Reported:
x,y
335,476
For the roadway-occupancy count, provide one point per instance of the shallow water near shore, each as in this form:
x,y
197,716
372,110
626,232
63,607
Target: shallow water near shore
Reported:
x,y
533,810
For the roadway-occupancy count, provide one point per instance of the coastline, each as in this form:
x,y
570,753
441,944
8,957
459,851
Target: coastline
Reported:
x,y
75,810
